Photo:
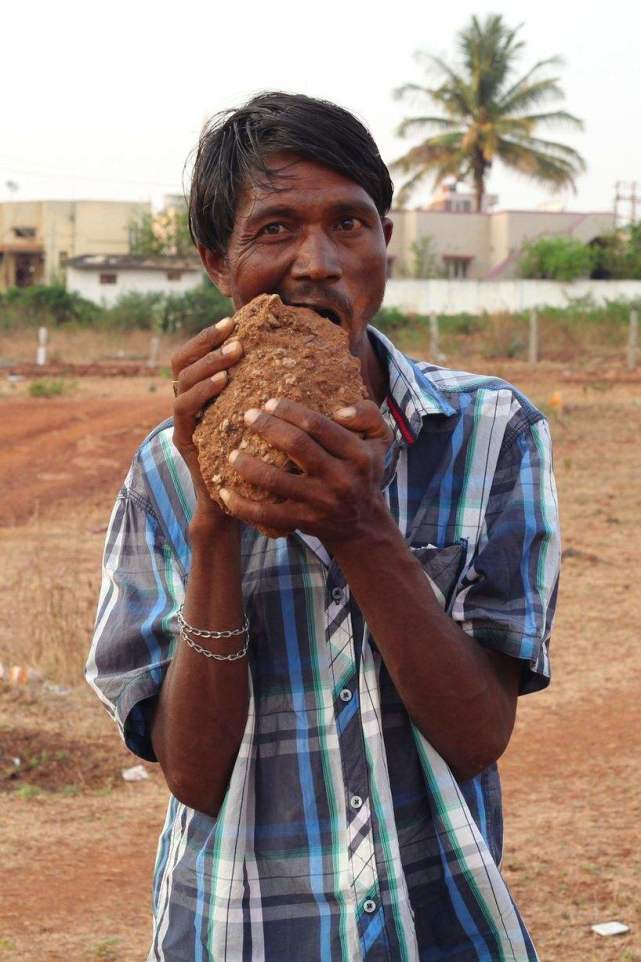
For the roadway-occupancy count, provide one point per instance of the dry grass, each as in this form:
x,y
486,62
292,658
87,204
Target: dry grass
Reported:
x,y
50,591
58,614
81,345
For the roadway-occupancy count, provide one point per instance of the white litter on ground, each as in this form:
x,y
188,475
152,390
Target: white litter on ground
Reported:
x,y
610,928
136,774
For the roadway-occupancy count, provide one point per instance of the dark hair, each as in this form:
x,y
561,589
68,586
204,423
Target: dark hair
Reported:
x,y
234,145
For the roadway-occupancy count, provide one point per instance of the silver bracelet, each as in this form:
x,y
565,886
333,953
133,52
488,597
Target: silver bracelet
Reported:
x,y
210,654
205,633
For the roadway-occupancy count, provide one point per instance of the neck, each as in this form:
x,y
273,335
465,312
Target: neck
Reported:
x,y
374,373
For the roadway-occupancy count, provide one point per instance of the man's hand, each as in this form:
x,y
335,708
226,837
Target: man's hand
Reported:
x,y
337,493
200,368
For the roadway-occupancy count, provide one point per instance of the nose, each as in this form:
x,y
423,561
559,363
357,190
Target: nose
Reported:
x,y
316,258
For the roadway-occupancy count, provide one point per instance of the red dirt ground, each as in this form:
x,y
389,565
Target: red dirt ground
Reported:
x,y
78,843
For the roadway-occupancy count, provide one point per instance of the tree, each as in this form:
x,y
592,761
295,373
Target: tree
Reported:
x,y
486,114
618,255
425,263
556,258
161,235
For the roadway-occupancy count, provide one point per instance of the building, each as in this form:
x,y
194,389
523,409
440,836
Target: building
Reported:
x,y
103,278
38,237
449,239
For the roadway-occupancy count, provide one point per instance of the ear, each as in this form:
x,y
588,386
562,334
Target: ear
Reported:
x,y
215,264
388,227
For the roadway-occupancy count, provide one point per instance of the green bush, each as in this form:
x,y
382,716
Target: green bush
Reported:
x,y
192,311
556,258
50,387
390,319
185,313
134,312
617,256
45,304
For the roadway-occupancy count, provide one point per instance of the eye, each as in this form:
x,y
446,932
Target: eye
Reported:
x,y
273,229
349,224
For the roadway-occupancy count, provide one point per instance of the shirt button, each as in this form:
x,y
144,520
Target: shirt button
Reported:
x,y
356,801
337,594
369,906
345,695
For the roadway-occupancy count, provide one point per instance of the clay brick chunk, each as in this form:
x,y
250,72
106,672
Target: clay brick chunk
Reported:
x,y
289,352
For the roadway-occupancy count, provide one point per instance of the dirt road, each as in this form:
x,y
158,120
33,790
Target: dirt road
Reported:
x,y
78,843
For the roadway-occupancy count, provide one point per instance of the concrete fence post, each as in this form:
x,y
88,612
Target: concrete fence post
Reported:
x,y
435,351
533,344
633,339
41,350
154,349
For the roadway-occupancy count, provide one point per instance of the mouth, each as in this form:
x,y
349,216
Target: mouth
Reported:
x,y
327,312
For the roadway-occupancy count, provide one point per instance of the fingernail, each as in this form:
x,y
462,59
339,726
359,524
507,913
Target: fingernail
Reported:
x,y
222,323
224,493
233,456
219,378
272,404
232,347
346,413
251,415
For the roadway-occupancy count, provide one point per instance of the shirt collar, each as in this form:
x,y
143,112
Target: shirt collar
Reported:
x,y
412,395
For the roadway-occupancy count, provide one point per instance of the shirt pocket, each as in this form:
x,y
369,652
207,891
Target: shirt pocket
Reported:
x,y
443,567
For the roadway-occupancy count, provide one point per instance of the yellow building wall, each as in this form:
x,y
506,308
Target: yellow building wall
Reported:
x,y
68,229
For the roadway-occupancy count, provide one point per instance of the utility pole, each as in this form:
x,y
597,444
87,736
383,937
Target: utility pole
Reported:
x,y
627,200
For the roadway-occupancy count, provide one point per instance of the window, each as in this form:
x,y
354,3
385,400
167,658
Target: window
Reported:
x,y
108,278
24,232
456,268
174,275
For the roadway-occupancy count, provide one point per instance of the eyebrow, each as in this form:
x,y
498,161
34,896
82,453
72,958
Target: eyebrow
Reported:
x,y
341,208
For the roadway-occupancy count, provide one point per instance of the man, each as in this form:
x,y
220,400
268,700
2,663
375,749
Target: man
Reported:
x,y
328,706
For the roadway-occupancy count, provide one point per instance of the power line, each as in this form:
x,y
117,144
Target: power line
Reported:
x,y
58,174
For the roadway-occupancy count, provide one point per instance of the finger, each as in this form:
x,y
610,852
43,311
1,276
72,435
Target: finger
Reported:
x,y
188,405
285,517
365,418
205,341
333,438
301,448
228,355
279,482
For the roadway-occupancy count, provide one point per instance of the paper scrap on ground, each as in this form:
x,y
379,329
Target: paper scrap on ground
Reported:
x,y
610,928
136,774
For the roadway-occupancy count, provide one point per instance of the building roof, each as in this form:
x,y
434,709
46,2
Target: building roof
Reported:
x,y
133,262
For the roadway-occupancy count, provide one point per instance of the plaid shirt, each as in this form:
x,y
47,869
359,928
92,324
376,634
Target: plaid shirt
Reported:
x,y
343,834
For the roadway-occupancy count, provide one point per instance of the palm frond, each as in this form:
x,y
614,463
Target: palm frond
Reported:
x,y
530,95
554,117
420,123
555,172
399,92
528,77
552,147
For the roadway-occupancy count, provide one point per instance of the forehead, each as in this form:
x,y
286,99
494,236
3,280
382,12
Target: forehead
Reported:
x,y
301,184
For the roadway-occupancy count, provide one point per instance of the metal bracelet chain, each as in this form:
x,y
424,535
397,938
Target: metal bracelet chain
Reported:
x,y
235,656
205,633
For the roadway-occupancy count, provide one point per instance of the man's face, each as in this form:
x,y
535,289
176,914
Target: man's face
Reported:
x,y
313,237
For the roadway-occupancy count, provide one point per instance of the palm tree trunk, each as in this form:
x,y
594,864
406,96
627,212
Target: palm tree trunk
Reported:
x,y
479,187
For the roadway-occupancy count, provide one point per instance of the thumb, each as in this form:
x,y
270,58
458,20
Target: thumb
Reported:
x,y
365,418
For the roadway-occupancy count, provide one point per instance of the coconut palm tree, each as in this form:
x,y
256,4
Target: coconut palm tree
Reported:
x,y
488,113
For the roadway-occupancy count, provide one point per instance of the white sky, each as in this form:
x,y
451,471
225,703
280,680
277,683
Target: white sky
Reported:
x,y
106,100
